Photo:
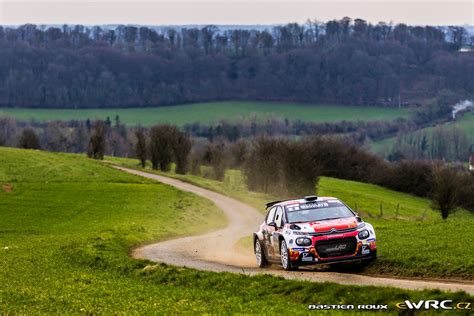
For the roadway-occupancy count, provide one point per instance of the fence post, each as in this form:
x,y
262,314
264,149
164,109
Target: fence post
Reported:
x,y
381,210
398,207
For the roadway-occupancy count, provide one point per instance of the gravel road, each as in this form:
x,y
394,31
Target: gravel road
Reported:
x,y
216,251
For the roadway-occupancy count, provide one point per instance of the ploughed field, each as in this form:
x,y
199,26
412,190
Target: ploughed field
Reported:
x,y
208,113
411,242
67,226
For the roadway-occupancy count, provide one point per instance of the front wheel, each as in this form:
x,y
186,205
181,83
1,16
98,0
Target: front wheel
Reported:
x,y
285,257
259,254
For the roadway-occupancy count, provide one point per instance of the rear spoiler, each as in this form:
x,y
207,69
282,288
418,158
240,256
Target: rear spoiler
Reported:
x,y
270,204
308,198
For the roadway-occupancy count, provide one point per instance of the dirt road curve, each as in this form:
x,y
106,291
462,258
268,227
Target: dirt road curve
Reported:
x,y
216,252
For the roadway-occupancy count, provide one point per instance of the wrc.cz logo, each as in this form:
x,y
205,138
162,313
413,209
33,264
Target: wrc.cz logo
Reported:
x,y
433,304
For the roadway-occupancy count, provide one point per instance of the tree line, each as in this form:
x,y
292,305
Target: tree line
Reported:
x,y
341,61
292,168
270,164
450,144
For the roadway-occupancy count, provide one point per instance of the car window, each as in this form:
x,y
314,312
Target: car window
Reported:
x,y
278,216
317,211
270,215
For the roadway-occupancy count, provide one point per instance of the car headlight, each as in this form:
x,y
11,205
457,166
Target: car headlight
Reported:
x,y
363,234
301,241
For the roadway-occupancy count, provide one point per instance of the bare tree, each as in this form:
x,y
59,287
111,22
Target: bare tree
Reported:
x,y
182,148
196,162
96,146
8,131
239,152
57,136
140,147
445,190
161,146
29,140
80,137
215,156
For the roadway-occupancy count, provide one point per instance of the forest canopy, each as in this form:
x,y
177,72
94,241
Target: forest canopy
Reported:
x,y
341,61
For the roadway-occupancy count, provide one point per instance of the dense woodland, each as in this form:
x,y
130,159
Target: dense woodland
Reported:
x,y
341,61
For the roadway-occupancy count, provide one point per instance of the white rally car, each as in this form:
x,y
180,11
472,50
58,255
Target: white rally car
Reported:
x,y
313,230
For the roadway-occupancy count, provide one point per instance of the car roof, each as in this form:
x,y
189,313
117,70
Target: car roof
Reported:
x,y
303,200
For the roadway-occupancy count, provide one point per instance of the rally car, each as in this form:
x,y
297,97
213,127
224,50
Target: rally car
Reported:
x,y
313,230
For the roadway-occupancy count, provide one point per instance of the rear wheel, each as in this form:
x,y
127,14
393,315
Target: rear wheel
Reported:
x,y
285,257
259,254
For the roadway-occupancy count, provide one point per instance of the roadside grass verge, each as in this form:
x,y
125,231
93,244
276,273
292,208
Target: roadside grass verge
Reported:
x,y
212,112
66,229
415,243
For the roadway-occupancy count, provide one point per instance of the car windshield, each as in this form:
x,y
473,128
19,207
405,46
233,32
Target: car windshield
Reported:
x,y
317,211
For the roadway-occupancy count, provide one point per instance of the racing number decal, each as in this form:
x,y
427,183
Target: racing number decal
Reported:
x,y
365,249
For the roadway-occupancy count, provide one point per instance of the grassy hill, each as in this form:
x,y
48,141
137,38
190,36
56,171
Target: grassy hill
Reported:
x,y
413,243
212,112
464,122
67,224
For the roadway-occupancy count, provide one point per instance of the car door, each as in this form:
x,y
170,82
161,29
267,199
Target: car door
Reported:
x,y
275,239
267,232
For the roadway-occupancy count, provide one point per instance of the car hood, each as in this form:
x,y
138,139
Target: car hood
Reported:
x,y
323,226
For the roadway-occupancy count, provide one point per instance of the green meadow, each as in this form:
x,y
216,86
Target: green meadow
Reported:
x,y
208,113
412,242
67,226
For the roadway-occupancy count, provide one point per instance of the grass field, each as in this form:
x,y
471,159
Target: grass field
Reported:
x,y
416,243
67,225
213,112
464,122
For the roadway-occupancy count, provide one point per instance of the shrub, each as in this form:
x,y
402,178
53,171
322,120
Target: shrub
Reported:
x,y
215,156
445,190
239,153
161,146
96,147
466,191
140,147
411,176
182,148
29,140
196,162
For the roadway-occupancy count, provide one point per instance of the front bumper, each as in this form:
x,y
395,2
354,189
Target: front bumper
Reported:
x,y
365,250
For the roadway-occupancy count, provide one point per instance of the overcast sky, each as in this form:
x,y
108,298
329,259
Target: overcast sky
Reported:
x,y
167,12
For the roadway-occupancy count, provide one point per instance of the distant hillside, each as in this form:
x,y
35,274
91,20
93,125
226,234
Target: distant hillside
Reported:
x,y
337,62
450,141
213,112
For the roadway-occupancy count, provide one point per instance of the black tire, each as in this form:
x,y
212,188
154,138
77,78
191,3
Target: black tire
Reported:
x,y
361,266
259,254
285,257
